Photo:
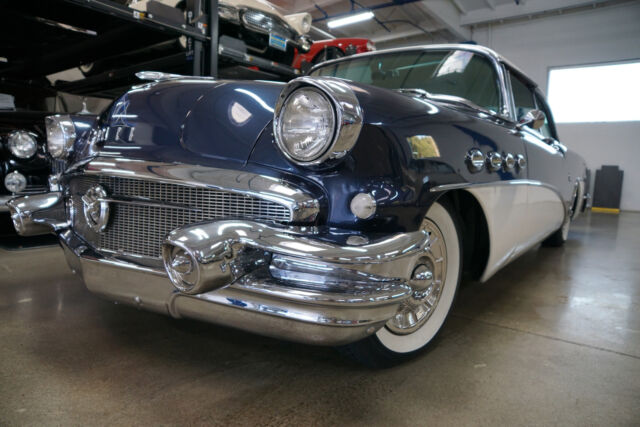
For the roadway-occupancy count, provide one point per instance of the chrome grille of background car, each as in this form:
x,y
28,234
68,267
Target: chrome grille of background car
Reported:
x,y
266,24
140,229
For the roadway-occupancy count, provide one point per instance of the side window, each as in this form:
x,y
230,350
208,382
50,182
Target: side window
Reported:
x,y
522,96
546,129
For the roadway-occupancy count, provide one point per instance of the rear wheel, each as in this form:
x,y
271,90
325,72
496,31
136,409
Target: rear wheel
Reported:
x,y
434,280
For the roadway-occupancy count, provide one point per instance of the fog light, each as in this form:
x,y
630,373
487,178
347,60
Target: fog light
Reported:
x,y
15,182
180,267
363,205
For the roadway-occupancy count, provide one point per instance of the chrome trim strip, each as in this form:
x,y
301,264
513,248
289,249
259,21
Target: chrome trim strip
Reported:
x,y
506,206
302,206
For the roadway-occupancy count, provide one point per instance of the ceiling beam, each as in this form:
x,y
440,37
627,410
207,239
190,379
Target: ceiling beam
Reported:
x,y
448,16
459,6
490,4
524,9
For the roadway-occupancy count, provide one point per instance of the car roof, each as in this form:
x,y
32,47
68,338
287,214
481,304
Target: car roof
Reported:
x,y
450,46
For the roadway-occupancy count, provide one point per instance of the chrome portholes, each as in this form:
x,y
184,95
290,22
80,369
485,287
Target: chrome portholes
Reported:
x,y
494,161
426,281
509,162
475,160
521,161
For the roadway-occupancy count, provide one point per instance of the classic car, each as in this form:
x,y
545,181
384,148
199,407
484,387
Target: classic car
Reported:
x,y
25,165
339,209
324,50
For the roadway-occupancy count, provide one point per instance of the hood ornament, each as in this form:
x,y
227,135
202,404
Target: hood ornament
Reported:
x,y
96,208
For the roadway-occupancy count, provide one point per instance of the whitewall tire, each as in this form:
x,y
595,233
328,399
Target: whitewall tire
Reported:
x,y
419,319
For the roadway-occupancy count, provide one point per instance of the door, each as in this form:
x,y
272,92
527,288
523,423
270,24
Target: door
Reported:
x,y
546,168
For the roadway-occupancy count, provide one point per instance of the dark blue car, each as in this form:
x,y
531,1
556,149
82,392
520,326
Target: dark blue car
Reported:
x,y
339,209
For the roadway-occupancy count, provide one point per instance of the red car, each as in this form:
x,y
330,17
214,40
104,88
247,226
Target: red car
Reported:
x,y
323,50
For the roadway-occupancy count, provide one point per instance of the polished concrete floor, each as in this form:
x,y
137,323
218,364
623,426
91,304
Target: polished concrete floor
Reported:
x,y
554,338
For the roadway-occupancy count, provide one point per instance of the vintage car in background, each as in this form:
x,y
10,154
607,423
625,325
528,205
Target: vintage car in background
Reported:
x,y
339,209
324,50
25,165
251,32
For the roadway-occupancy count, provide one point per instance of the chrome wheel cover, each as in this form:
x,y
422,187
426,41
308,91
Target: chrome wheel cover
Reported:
x,y
427,281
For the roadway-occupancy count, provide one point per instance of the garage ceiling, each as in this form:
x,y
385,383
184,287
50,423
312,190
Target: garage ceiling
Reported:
x,y
429,21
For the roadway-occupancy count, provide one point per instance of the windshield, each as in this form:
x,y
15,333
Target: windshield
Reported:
x,y
460,73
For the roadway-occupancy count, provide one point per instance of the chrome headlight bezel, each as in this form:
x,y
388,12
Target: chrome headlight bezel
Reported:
x,y
12,141
61,134
12,177
347,111
228,12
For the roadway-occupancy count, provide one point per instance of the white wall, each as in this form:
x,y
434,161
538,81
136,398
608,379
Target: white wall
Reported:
x,y
604,34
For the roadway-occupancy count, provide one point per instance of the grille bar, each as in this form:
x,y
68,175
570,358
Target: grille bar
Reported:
x,y
138,229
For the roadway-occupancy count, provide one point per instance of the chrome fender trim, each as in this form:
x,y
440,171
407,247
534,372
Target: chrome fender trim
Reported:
x,y
520,214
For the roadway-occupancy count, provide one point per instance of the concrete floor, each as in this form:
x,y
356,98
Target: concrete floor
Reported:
x,y
552,339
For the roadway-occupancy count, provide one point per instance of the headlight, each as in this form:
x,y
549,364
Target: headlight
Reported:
x,y
61,134
22,144
229,13
316,119
306,124
306,23
15,182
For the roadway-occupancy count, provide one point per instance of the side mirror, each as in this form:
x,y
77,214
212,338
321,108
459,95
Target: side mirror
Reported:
x,y
534,119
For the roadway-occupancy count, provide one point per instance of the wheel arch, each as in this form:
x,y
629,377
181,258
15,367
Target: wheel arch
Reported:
x,y
475,231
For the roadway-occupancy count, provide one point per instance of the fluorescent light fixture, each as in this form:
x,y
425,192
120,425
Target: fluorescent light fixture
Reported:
x,y
351,19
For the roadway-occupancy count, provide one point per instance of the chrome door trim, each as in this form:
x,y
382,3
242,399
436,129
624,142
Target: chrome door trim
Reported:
x,y
303,207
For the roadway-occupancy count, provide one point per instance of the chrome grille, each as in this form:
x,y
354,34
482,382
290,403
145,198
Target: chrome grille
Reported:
x,y
139,230
267,24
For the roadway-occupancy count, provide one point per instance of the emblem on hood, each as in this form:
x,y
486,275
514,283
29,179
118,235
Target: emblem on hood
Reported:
x,y
96,208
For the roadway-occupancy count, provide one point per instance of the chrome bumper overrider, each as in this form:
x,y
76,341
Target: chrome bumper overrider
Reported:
x,y
272,281
3,203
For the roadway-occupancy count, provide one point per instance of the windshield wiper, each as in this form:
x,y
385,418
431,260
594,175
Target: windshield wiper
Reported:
x,y
449,99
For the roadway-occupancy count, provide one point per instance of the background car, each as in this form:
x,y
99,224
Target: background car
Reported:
x,y
324,50
25,165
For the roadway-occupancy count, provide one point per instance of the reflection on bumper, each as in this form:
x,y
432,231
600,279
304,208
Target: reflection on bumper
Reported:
x,y
255,303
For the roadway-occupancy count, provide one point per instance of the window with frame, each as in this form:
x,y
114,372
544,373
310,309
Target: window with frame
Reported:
x,y
460,73
595,93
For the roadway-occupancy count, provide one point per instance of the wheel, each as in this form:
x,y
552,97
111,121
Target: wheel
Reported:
x,y
434,279
326,54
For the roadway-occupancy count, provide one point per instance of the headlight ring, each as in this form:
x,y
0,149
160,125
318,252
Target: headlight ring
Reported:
x,y
61,134
22,144
347,121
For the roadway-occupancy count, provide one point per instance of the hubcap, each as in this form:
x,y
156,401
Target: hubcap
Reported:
x,y
427,281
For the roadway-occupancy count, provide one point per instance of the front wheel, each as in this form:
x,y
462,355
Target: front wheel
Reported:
x,y
434,279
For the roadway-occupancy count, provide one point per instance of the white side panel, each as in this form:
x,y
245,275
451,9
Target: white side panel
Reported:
x,y
518,216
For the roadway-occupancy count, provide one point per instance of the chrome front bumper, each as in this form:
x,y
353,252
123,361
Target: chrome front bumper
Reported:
x,y
293,291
